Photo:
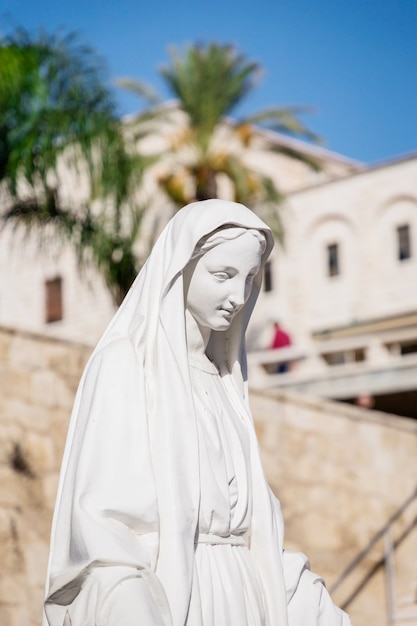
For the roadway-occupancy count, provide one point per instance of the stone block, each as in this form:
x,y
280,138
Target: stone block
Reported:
x,y
15,383
18,490
5,343
50,487
60,427
49,390
9,434
39,451
7,616
26,415
70,362
19,615
13,589
36,560
27,353
10,556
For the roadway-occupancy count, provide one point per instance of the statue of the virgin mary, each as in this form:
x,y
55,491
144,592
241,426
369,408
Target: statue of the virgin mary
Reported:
x,y
163,515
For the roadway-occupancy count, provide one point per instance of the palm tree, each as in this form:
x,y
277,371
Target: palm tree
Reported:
x,y
205,150
57,123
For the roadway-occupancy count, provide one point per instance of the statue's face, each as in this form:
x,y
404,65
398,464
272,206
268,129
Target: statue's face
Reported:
x,y
221,281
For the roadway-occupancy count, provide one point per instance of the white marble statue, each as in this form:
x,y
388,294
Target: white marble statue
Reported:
x,y
163,515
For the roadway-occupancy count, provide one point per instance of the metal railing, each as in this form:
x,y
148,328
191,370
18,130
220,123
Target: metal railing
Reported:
x,y
362,351
339,368
387,560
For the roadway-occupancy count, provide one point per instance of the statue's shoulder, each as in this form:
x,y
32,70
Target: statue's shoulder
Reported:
x,y
118,352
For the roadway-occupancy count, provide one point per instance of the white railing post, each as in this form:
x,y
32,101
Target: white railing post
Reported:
x,y
376,352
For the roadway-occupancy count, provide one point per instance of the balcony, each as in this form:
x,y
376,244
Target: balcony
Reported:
x,y
351,368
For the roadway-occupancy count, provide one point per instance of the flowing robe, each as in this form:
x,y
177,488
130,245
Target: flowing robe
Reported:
x,y
127,511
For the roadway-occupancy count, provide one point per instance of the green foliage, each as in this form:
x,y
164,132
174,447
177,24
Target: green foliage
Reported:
x,y
56,113
55,107
51,95
209,82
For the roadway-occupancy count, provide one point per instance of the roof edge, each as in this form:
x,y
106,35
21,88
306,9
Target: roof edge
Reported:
x,y
367,169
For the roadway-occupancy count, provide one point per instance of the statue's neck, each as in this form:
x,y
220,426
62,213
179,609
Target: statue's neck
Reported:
x,y
197,338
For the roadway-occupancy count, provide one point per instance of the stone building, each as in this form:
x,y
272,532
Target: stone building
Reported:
x,y
44,292
343,284
344,287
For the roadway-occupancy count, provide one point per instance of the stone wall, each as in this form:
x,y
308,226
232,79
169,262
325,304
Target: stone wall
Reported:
x,y
38,379
339,472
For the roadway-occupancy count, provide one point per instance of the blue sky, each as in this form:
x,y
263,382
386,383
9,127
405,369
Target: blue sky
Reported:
x,y
354,61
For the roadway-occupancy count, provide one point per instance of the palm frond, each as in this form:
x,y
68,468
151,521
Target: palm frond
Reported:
x,y
46,218
240,176
209,81
111,248
312,162
267,208
141,89
175,186
284,120
55,107
54,95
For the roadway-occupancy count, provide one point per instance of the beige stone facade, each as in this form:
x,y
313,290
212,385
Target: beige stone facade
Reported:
x,y
353,325
87,306
360,214
340,472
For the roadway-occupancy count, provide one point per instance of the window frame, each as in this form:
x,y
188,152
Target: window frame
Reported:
x,y
333,260
404,248
54,306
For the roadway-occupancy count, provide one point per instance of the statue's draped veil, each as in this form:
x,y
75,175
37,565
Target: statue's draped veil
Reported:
x,y
151,433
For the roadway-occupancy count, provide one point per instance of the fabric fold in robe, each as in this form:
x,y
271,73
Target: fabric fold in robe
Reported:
x,y
134,491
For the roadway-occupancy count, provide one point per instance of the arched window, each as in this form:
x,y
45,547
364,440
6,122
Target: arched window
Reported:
x,y
333,260
403,242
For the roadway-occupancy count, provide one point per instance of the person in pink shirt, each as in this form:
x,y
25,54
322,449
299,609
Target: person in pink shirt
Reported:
x,y
281,340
